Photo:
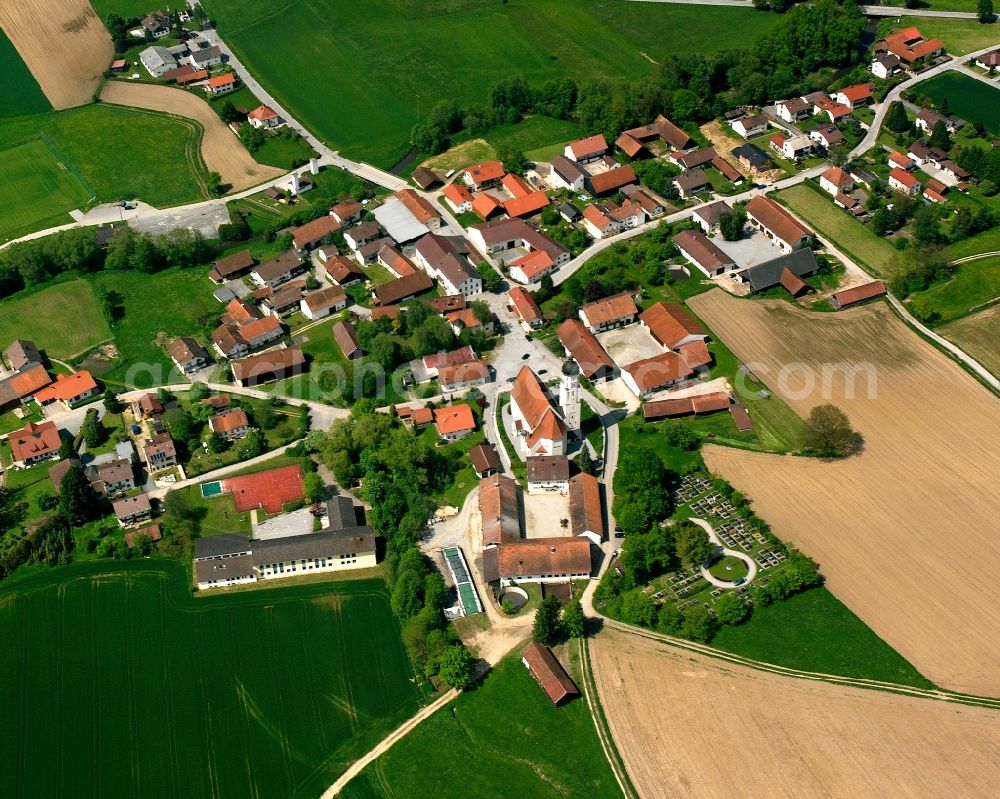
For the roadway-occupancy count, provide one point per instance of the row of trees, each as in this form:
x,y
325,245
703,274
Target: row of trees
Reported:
x,y
687,89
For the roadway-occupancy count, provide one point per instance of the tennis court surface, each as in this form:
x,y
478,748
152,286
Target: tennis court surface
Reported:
x,y
268,490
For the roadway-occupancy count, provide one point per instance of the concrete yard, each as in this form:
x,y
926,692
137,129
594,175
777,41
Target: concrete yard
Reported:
x,y
753,248
542,514
629,344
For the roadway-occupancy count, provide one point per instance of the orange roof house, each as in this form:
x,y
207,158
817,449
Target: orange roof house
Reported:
x,y
458,197
526,204
68,389
454,421
263,113
486,205
671,325
34,442
909,45
484,174
525,307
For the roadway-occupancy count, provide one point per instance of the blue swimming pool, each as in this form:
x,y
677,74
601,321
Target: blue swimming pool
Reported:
x,y
211,489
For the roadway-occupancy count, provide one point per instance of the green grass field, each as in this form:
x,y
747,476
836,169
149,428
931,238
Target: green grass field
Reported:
x,y
115,151
978,335
815,631
19,91
121,683
40,188
363,83
968,98
183,299
502,740
62,319
960,36
976,282
124,8
833,223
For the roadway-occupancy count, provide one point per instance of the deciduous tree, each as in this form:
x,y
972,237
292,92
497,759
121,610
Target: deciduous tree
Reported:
x,y
829,432
547,628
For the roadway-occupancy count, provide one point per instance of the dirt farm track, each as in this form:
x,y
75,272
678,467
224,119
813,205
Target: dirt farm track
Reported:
x,y
692,726
907,532
221,150
63,43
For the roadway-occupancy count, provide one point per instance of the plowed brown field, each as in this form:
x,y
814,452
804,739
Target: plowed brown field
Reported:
x,y
907,532
690,726
63,43
222,151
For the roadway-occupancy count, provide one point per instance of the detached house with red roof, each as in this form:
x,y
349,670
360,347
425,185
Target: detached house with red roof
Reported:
x,y
854,96
230,425
836,181
903,181
458,197
525,308
68,389
909,45
586,150
454,422
484,175
784,230
221,84
609,313
34,443
264,117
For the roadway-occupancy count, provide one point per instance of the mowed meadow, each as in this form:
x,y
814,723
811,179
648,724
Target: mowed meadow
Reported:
x,y
120,683
360,75
19,91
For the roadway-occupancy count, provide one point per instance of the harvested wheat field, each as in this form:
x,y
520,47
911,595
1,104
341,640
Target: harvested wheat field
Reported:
x,y
63,43
906,532
978,335
692,726
221,150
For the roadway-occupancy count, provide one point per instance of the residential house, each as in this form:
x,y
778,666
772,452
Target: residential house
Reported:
x,y
548,473
188,355
454,422
651,206
793,148
204,55
159,452
609,313
751,126
532,267
666,131
232,266
586,150
269,366
158,60
461,376
526,204
784,231
988,61
671,326
567,174
394,261
284,301
703,253
451,261
279,269
836,181
927,118
692,183
347,212
424,177
431,364
314,233
597,223
525,308
538,426
612,180
903,181
458,197
708,216
347,339
632,147
230,425
855,96
923,154
693,159
536,560
792,110
147,406
885,65
852,296
827,136
935,191
583,347
68,389
484,175
221,84
949,167
264,117
340,269
486,206
22,353
368,253
157,24
113,478
485,460
34,443
909,46
753,158
324,302
497,237
132,510
897,159
362,234
833,110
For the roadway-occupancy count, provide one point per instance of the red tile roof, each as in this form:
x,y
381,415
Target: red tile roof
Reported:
x,y
454,419
422,210
486,205
670,324
34,440
902,176
222,80
551,556
457,194
860,91
67,387
610,309
660,370
262,113
484,172
524,305
534,263
529,395
549,673
313,231
229,421
613,179
589,146
776,219
527,204
847,297
585,349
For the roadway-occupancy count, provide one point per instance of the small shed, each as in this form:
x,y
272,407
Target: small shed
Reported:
x,y
549,672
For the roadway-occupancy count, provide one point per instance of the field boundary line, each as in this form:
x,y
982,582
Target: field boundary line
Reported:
x,y
601,726
938,694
